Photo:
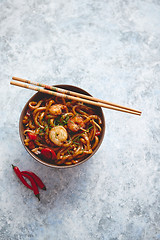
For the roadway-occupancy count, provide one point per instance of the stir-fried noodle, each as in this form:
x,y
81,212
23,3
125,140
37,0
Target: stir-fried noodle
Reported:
x,y
69,128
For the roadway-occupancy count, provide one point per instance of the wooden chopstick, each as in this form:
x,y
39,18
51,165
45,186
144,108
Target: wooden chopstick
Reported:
x,y
74,94
73,97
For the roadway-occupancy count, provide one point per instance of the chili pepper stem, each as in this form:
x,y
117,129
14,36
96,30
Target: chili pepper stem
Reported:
x,y
38,196
44,188
13,166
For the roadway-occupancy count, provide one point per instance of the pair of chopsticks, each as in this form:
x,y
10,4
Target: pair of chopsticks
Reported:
x,y
71,95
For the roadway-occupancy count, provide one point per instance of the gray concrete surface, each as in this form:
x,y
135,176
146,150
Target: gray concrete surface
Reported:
x,y
112,50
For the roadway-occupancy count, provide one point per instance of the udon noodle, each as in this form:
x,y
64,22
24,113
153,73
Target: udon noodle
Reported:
x,y
60,131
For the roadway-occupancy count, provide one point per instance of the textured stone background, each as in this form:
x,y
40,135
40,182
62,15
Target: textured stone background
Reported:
x,y
111,48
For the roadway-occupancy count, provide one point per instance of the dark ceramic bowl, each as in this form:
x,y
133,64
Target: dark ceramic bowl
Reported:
x,y
39,96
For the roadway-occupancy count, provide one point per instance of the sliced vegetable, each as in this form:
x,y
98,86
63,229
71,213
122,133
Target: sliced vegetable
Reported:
x,y
32,136
28,113
98,133
48,153
31,145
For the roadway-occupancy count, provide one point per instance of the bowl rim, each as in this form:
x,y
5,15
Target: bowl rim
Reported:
x,y
66,86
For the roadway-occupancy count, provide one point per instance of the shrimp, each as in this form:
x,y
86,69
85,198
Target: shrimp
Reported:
x,y
58,135
57,109
76,123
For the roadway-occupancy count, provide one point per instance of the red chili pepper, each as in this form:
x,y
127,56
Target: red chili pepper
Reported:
x,y
32,136
34,185
98,133
48,153
36,178
20,176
